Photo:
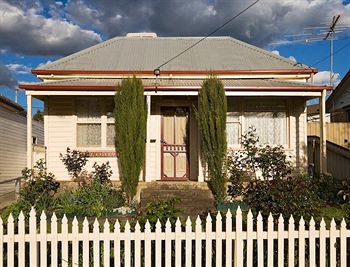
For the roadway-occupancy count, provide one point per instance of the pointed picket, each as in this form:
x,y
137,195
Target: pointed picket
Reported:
x,y
291,248
43,239
228,237
198,243
106,244
208,241
127,244
343,245
21,240
86,250
250,236
158,256
178,242
301,237
96,242
260,239
323,243
168,243
64,241
33,259
332,243
239,239
270,232
116,244
75,242
188,243
2,242
147,244
10,241
280,235
54,239
312,243
137,244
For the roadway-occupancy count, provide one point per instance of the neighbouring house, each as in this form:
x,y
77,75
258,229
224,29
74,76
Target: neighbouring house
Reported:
x,y
263,90
13,142
338,103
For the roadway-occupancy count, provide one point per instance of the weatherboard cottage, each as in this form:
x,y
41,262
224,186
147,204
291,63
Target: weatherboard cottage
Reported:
x,y
263,90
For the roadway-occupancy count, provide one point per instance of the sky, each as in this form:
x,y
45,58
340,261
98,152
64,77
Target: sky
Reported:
x,y
34,32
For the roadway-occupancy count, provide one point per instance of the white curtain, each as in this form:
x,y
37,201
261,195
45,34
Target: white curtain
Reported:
x,y
233,128
89,134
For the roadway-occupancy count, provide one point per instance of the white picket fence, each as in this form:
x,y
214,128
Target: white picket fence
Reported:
x,y
211,244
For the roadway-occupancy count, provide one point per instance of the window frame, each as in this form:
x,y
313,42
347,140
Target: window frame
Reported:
x,y
103,120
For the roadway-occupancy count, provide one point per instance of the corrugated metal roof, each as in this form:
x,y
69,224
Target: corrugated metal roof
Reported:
x,y
137,54
246,83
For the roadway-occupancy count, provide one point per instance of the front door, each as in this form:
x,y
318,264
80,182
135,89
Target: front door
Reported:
x,y
174,143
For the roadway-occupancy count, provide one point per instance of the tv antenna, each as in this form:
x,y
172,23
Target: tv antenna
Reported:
x,y
323,33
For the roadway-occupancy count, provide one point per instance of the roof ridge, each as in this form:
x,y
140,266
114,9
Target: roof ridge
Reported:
x,y
267,53
83,52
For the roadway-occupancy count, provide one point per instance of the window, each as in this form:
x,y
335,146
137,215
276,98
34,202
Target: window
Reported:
x,y
268,117
95,122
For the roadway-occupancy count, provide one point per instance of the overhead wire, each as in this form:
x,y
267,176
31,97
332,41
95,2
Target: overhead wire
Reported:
x,y
205,37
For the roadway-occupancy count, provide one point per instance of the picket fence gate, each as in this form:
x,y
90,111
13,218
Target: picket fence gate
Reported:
x,y
215,244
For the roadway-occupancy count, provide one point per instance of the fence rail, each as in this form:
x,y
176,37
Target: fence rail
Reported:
x,y
236,242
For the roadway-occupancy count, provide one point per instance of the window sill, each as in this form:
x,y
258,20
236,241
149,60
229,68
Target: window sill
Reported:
x,y
100,153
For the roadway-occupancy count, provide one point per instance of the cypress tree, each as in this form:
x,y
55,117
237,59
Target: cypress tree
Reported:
x,y
211,115
130,128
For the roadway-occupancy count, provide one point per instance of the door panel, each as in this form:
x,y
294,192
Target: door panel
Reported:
x,y
174,145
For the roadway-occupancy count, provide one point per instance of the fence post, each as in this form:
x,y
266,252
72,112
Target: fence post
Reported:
x,y
167,244
218,240
239,239
280,241
147,244
260,239
270,240
229,238
332,243
86,247
75,242
127,244
188,242
250,233
32,239
10,242
301,242
117,243
64,241
343,240
178,242
208,241
21,240
138,244
106,243
43,239
312,243
322,243
198,241
158,256
291,241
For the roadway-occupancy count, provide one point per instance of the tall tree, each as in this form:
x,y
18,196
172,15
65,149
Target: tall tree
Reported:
x,y
130,128
211,115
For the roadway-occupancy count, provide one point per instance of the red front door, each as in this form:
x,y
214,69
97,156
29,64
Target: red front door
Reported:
x,y
174,143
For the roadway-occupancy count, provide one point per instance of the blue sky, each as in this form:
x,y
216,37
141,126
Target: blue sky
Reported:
x,y
33,32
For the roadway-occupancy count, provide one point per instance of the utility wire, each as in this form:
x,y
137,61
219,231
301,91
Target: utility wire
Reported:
x,y
327,57
205,37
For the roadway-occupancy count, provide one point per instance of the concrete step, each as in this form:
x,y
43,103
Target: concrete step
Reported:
x,y
196,198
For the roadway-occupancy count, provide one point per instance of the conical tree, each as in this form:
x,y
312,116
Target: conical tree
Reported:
x,y
130,127
211,115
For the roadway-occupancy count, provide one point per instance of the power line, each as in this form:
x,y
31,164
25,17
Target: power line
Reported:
x,y
205,37
327,57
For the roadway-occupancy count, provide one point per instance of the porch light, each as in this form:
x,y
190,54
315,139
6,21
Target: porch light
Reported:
x,y
156,72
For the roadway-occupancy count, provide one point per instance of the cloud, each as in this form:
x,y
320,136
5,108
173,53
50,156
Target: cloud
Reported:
x,y
7,78
266,23
276,52
323,78
19,68
25,30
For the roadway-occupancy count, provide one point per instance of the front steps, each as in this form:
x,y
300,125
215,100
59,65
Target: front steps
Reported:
x,y
196,198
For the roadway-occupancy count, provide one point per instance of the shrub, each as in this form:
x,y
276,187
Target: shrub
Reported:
x,y
162,210
38,190
75,161
130,128
290,196
328,188
211,115
102,173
